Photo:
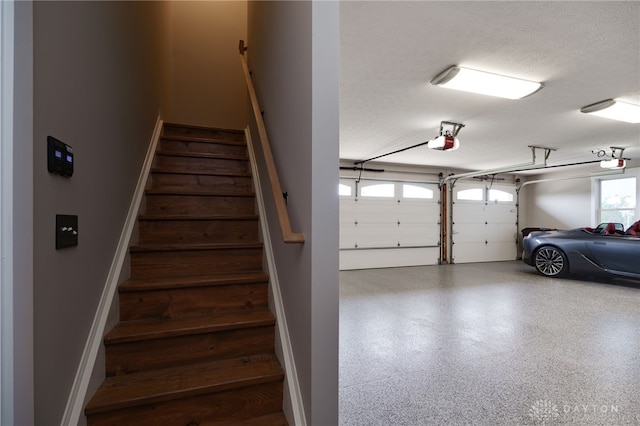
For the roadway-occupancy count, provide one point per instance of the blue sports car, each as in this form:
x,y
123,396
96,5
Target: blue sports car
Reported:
x,y
604,250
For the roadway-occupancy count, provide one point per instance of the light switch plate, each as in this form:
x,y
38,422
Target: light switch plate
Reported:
x,y
66,231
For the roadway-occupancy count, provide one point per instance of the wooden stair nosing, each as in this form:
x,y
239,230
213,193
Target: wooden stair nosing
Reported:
x,y
203,128
222,218
155,386
192,282
188,154
273,419
189,191
162,170
151,329
213,140
146,248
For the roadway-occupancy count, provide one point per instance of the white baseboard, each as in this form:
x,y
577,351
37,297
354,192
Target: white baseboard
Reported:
x,y
77,396
291,375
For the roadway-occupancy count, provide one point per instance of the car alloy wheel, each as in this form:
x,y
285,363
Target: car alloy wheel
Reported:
x,y
550,261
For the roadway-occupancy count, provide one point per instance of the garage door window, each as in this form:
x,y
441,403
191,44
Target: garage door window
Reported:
x,y
618,200
415,191
497,195
385,190
473,194
344,190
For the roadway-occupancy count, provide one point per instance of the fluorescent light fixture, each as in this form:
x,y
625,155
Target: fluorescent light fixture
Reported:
x,y
485,83
614,163
615,110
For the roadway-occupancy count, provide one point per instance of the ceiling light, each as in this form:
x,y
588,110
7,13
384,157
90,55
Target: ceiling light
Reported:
x,y
614,163
485,83
615,110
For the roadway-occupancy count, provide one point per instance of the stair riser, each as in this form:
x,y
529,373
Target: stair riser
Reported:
x,y
203,147
197,231
200,410
222,134
199,206
165,181
126,358
175,302
200,165
198,262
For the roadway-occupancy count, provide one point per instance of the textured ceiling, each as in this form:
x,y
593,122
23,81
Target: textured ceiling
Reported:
x,y
583,51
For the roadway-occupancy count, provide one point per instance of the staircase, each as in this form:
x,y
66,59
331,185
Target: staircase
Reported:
x,y
195,341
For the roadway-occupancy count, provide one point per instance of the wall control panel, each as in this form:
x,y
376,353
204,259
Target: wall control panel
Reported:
x,y
59,157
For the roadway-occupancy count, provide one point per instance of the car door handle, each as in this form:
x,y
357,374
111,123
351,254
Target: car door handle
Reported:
x,y
599,243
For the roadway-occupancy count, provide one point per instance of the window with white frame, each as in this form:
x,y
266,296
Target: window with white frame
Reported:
x,y
617,200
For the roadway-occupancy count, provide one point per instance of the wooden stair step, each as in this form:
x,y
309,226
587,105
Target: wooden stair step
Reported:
x,y
192,247
166,283
221,217
274,419
154,386
203,139
129,331
200,192
173,203
239,174
202,155
198,230
170,129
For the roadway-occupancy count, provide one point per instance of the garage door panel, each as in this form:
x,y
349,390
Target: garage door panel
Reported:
x,y
468,213
483,232
365,259
371,223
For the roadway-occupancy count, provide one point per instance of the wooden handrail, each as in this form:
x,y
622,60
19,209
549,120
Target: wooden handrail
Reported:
x,y
288,236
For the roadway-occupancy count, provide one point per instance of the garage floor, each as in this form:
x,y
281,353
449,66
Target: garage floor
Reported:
x,y
487,344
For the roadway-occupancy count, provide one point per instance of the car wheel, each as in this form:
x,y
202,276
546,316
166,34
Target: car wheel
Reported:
x,y
551,262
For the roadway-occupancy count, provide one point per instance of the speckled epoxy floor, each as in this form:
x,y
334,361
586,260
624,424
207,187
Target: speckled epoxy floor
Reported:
x,y
487,344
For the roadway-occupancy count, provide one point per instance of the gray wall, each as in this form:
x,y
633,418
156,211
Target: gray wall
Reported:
x,y
294,56
23,216
562,204
206,83
98,86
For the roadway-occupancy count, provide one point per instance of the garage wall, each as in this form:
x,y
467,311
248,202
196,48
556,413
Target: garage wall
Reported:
x,y
564,204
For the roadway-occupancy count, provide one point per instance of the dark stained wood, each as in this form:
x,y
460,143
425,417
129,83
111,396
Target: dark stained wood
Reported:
x,y
198,230
185,349
196,339
174,302
216,409
180,382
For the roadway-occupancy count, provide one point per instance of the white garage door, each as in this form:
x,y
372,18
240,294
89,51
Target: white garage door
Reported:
x,y
484,224
388,224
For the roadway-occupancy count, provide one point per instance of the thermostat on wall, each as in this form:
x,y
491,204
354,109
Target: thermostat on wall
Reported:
x,y
59,157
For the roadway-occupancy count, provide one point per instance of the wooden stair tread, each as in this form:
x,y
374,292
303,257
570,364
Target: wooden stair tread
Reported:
x,y
196,281
166,125
162,170
159,217
201,192
203,139
202,155
148,329
273,419
178,382
193,247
